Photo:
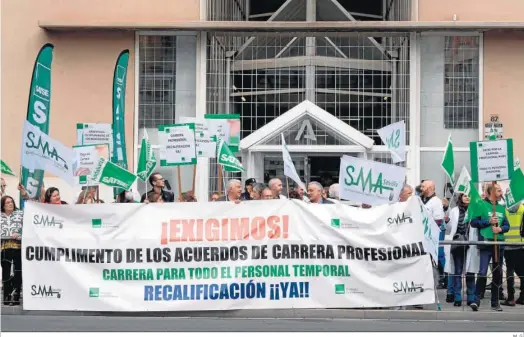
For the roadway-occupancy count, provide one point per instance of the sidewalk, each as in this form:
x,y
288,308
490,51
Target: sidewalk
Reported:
x,y
430,312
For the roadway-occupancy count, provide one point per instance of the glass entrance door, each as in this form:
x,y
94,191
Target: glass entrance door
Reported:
x,y
323,169
319,167
274,167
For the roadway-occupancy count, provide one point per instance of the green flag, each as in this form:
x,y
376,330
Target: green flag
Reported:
x,y
515,192
227,159
119,100
448,161
112,175
38,112
477,207
146,160
6,169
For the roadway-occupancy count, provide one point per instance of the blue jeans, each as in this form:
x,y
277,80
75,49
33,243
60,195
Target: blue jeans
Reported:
x,y
458,260
441,255
451,288
486,255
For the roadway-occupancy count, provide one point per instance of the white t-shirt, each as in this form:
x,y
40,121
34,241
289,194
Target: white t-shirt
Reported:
x,y
435,208
282,196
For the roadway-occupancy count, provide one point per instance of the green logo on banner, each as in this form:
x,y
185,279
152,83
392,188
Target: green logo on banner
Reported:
x,y
94,292
335,223
96,223
365,181
340,289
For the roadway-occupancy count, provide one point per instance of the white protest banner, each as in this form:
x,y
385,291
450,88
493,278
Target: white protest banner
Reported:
x,y
431,230
86,158
289,168
253,255
370,182
462,184
491,160
94,133
227,127
177,144
206,145
41,152
146,159
394,136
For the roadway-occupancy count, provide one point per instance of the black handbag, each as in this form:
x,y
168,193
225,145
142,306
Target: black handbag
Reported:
x,y
461,249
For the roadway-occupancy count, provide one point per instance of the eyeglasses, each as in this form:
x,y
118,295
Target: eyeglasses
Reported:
x,y
160,179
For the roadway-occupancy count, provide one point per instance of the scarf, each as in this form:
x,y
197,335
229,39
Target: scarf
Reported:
x,y
461,227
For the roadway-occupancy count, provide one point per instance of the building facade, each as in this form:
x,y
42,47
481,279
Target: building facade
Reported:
x,y
327,93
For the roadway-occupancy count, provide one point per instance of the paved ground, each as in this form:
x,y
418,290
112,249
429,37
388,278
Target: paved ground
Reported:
x,y
429,319
13,323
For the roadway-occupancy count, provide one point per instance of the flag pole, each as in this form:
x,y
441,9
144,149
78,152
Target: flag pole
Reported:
x,y
219,167
287,186
194,179
493,198
179,178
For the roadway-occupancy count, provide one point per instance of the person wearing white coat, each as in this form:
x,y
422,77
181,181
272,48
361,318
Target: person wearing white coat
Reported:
x,y
461,262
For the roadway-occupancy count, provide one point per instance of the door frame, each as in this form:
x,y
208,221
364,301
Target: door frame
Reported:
x,y
248,155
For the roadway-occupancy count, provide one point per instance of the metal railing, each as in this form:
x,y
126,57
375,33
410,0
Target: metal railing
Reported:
x,y
479,274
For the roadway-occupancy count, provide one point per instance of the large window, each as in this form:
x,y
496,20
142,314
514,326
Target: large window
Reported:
x,y
167,91
461,82
449,102
449,92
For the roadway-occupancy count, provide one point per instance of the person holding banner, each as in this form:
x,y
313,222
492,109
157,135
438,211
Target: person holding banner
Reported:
x,y
11,250
88,195
490,225
52,196
248,188
275,185
233,191
461,259
405,193
314,192
256,191
158,183
125,197
154,198
436,209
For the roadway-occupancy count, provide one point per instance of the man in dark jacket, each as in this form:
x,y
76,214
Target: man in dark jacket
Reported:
x,y
233,191
314,192
490,225
158,183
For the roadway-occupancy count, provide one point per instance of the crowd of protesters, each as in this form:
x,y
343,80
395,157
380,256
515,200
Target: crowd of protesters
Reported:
x,y
456,263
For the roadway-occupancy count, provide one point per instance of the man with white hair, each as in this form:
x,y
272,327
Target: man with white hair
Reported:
x,y
233,191
275,185
314,192
334,194
405,193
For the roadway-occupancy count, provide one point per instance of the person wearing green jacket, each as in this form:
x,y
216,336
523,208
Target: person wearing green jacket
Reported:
x,y
489,226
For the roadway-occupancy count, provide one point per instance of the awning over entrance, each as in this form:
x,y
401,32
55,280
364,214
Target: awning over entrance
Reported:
x,y
306,125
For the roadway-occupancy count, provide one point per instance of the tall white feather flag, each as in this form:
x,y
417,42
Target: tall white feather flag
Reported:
x,y
462,185
394,136
289,167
